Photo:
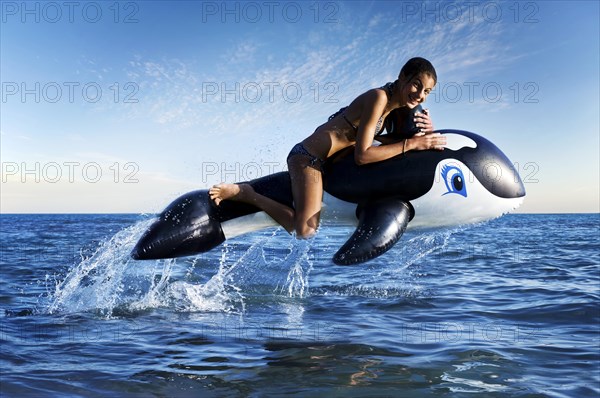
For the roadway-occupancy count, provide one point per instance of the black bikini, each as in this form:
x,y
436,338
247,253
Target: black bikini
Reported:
x,y
317,163
389,87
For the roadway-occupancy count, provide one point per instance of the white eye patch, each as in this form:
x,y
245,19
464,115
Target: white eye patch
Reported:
x,y
456,142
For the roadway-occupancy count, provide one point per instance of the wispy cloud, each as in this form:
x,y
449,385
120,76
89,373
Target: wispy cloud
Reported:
x,y
242,53
245,94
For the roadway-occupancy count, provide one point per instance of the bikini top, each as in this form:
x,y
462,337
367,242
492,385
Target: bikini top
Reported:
x,y
388,88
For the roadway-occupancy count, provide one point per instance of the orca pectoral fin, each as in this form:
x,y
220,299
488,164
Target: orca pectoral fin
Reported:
x,y
380,224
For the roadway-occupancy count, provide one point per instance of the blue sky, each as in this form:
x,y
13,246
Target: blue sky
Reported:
x,y
121,107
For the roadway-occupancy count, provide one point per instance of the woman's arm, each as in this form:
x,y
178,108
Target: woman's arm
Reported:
x,y
373,108
387,139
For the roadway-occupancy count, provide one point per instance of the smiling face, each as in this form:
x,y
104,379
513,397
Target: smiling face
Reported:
x,y
416,90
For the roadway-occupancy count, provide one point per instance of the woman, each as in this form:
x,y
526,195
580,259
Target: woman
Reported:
x,y
356,125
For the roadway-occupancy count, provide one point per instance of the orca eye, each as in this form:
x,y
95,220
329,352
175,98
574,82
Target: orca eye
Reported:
x,y
457,182
454,180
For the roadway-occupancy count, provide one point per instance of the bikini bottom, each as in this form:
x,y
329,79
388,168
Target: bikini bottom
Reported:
x,y
315,162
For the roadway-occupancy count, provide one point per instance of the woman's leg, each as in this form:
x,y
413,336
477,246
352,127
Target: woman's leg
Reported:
x,y
307,189
281,213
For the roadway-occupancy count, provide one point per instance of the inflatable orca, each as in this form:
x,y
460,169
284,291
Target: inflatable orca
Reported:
x,y
470,181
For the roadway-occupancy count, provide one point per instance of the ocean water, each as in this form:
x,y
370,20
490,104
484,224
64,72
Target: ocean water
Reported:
x,y
508,308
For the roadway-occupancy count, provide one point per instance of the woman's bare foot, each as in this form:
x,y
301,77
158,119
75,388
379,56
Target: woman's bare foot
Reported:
x,y
239,192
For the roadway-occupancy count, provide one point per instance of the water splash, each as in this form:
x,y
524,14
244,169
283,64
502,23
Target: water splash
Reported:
x,y
402,277
416,249
107,279
221,292
110,283
393,275
267,267
296,283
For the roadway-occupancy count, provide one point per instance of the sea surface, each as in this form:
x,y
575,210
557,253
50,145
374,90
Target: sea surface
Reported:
x,y
508,308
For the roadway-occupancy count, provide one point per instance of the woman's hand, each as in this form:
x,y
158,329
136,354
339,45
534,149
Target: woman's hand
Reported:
x,y
424,141
423,121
